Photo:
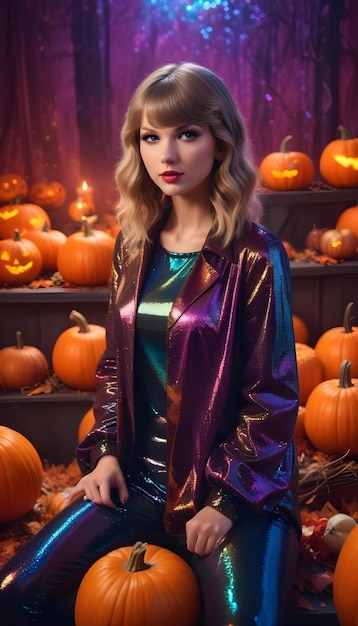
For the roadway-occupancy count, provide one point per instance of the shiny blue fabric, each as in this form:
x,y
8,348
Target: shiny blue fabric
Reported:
x,y
245,582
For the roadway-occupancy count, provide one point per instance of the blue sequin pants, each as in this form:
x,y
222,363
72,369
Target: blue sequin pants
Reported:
x,y
245,582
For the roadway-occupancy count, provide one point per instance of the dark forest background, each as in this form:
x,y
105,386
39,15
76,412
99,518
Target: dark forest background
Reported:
x,y
69,67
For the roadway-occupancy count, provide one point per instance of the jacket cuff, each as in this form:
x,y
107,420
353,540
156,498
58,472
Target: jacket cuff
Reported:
x,y
102,448
226,503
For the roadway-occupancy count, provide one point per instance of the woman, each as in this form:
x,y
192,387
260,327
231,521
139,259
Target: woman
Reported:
x,y
197,389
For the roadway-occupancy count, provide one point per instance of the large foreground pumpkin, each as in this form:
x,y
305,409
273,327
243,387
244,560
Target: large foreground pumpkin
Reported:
x,y
21,475
123,589
345,582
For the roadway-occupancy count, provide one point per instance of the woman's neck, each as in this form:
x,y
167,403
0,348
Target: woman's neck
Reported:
x,y
186,229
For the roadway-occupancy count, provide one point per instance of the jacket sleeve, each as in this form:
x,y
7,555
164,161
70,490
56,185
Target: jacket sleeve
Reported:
x,y
256,461
102,439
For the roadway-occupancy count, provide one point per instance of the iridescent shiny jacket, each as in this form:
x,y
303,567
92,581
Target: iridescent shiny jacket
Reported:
x,y
231,380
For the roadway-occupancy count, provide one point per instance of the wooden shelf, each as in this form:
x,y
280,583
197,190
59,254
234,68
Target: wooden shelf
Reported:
x,y
309,197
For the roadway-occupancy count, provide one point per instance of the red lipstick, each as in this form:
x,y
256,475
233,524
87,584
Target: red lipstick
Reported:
x,y
171,176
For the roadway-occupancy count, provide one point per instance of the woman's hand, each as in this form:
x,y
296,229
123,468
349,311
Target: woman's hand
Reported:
x,y
97,485
206,530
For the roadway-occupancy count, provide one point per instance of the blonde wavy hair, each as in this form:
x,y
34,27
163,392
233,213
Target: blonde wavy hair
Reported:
x,y
172,96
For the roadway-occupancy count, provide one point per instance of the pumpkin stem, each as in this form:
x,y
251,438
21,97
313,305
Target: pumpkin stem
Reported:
x,y
80,320
17,236
345,134
346,318
283,146
136,561
344,375
19,340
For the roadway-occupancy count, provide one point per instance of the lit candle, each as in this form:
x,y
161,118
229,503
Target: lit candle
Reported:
x,y
85,194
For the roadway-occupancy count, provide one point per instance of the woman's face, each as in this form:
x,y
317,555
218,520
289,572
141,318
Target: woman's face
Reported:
x,y
178,160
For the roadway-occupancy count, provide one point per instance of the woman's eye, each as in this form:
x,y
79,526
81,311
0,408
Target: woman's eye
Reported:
x,y
188,135
149,138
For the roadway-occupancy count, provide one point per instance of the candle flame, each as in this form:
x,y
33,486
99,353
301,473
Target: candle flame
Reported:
x,y
84,185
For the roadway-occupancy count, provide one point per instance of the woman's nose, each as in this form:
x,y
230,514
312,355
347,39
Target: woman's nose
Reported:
x,y
168,152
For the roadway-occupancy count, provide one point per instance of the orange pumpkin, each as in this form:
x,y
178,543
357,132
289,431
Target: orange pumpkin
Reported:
x,y
338,163
20,261
86,257
49,195
345,581
300,329
25,217
331,416
22,366
48,241
122,588
300,431
21,475
338,343
79,209
313,238
77,351
12,187
309,369
339,243
86,424
285,170
349,219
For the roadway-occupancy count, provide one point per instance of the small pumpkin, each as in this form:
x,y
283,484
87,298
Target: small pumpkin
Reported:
x,y
49,195
48,241
122,588
79,209
25,217
313,238
339,243
338,162
22,366
86,424
86,257
12,187
300,329
20,260
331,416
345,581
339,343
77,351
349,219
286,170
309,370
21,475
337,530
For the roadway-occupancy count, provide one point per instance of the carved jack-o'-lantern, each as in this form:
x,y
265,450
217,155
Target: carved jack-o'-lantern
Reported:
x,y
20,260
339,161
79,209
12,186
49,195
284,170
25,217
